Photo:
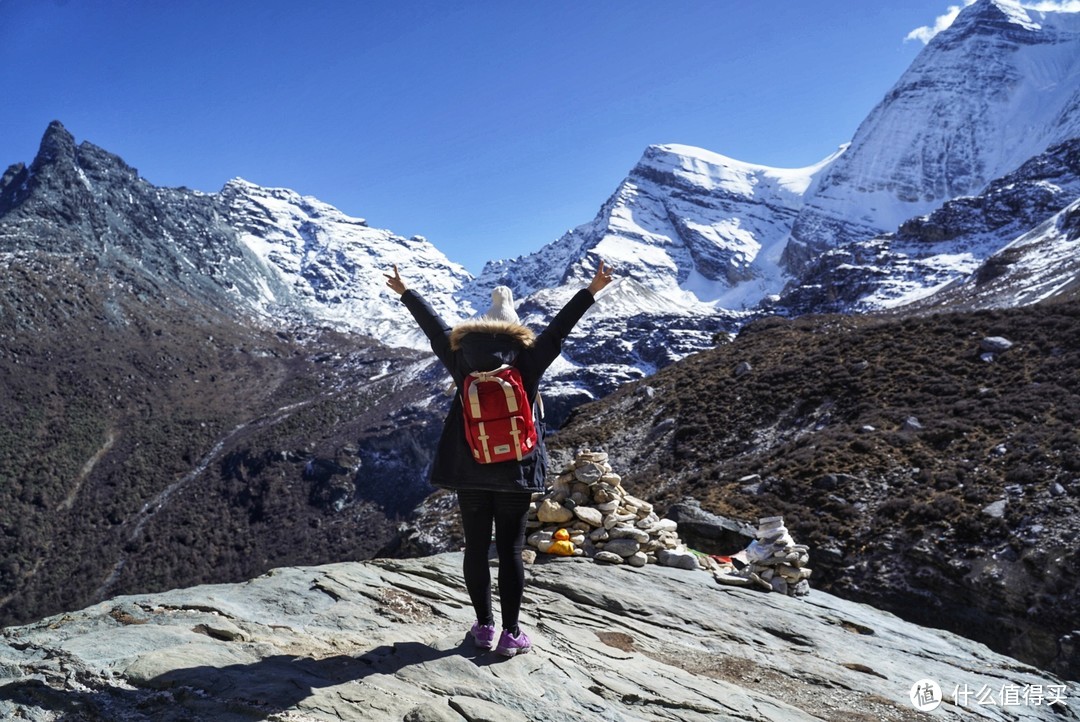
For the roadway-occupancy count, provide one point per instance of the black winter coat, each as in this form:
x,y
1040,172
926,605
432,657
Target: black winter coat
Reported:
x,y
483,346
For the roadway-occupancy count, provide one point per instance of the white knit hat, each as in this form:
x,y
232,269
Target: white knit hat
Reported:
x,y
502,306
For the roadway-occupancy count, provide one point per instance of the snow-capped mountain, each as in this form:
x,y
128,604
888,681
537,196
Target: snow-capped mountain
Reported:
x,y
695,238
698,239
966,131
996,88
697,230
960,242
333,264
267,252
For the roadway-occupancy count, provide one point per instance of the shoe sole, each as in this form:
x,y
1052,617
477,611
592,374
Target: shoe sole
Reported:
x,y
480,645
512,652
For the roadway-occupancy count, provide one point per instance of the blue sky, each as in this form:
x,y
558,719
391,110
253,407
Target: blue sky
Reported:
x,y
490,127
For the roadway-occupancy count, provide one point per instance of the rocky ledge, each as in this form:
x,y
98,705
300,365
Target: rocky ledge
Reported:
x,y
385,640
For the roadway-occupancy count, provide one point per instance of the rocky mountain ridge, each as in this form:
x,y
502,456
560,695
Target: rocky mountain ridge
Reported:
x,y
1004,234
988,97
700,239
334,264
84,203
687,224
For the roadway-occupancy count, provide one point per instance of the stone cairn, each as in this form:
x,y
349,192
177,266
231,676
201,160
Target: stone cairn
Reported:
x,y
588,513
773,562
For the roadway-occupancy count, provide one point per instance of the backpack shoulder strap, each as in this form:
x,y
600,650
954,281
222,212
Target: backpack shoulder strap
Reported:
x,y
538,402
473,399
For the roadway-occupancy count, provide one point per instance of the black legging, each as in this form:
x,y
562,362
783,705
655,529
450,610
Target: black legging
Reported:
x,y
508,510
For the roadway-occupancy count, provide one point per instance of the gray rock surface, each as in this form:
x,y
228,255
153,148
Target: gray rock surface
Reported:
x,y
385,640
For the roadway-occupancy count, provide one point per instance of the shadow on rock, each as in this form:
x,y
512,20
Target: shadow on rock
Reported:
x,y
235,692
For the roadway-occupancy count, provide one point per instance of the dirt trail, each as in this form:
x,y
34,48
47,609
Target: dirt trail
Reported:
x,y
110,438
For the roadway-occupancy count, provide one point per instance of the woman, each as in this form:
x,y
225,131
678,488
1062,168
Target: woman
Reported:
x,y
501,492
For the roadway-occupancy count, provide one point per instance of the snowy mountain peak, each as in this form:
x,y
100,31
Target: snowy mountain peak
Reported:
x,y
695,227
309,205
713,171
988,16
334,263
994,89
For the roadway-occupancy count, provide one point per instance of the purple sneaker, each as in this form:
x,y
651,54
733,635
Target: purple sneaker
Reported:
x,y
483,635
510,645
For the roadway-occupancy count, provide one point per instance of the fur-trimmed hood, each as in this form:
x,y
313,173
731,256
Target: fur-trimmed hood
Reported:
x,y
520,336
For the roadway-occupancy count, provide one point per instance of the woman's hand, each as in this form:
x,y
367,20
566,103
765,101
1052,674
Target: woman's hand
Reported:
x,y
394,282
601,279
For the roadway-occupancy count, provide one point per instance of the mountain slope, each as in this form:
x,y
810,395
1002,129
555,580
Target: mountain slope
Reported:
x,y
146,445
929,475
156,429
333,264
1040,265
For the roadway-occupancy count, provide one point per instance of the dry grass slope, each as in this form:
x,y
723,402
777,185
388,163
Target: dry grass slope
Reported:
x,y
883,441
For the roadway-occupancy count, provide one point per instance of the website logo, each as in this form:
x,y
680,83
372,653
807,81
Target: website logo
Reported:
x,y
925,695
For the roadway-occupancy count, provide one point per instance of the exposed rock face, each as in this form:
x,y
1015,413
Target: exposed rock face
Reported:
x,y
86,203
1042,264
250,251
386,640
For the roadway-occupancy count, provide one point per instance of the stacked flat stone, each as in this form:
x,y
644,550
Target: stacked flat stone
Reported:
x,y
775,563
588,507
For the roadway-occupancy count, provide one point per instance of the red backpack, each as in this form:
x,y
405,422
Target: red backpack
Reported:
x,y
499,422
